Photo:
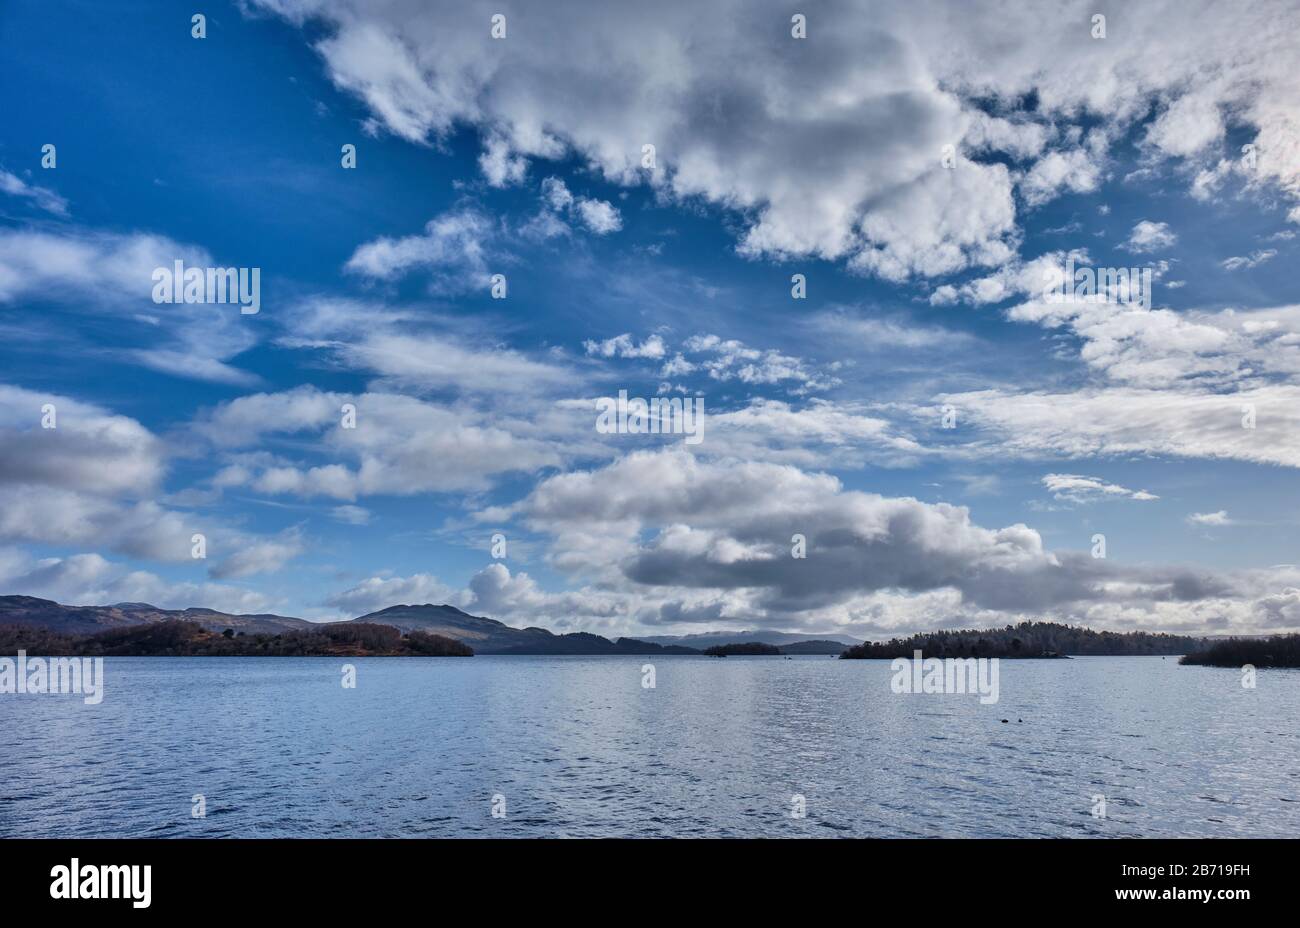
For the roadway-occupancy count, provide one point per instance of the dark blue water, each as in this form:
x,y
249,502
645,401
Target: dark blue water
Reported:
x,y
578,747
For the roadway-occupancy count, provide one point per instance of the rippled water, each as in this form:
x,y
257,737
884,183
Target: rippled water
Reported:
x,y
578,747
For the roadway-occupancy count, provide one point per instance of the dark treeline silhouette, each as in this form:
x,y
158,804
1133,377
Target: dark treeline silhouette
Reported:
x,y
188,639
1028,639
745,647
1278,651
815,646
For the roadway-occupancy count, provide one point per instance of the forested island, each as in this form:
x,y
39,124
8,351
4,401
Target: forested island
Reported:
x,y
1278,651
1026,640
745,647
189,639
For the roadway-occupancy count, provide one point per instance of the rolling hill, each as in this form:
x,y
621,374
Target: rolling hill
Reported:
x,y
484,635
82,620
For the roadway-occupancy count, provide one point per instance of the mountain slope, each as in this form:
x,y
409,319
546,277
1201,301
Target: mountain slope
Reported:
x,y
484,635
80,620
488,636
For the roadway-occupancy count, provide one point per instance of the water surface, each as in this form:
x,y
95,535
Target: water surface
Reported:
x,y
578,747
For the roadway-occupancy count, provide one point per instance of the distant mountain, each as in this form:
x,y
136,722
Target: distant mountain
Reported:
x,y
488,636
484,635
702,640
84,620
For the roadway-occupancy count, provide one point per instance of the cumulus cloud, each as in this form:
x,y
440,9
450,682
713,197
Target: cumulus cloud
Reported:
x,y
456,245
623,346
1015,278
375,593
1073,171
734,106
1127,343
1148,236
400,445
87,448
259,556
1216,519
499,166
91,480
692,537
92,580
731,359
599,216
494,592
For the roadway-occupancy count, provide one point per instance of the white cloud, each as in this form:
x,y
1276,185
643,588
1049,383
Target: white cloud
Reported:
x,y
501,168
1255,259
91,580
734,107
90,449
46,515
884,333
1116,421
1015,278
43,197
375,593
623,346
1148,236
401,445
1158,347
731,359
1219,518
352,515
455,244
402,348
819,434
714,539
1077,488
90,482
258,556
600,216
1073,171
104,272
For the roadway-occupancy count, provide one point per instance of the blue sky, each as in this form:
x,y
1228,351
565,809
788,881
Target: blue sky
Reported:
x,y
775,156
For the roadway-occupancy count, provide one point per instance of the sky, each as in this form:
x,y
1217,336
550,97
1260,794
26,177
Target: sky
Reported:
x,y
840,232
